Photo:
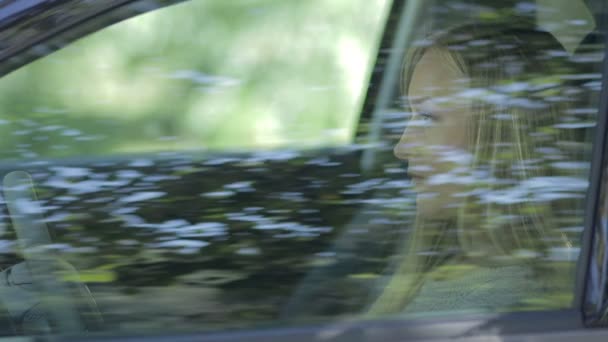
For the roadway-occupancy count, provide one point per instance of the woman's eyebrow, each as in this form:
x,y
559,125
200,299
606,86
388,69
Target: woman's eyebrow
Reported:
x,y
414,102
417,100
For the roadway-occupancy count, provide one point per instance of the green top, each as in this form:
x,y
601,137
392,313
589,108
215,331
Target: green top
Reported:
x,y
474,289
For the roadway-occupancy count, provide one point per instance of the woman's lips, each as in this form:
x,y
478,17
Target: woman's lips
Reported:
x,y
418,173
416,177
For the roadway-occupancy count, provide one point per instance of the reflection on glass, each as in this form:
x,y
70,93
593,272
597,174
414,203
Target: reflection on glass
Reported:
x,y
116,129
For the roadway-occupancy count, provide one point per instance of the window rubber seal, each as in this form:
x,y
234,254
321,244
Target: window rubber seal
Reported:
x,y
582,299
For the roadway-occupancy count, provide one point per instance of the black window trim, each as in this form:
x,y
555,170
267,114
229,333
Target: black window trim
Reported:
x,y
52,34
557,324
598,174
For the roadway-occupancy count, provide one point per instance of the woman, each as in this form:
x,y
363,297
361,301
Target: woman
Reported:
x,y
486,102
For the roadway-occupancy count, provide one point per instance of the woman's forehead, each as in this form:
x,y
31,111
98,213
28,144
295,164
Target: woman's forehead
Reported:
x,y
437,77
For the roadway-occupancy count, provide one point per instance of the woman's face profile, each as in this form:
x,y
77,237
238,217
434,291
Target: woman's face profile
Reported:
x,y
435,141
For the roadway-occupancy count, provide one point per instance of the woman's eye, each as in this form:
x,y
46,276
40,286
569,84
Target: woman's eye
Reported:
x,y
427,116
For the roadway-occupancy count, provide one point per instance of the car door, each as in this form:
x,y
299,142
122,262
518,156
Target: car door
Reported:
x,y
217,170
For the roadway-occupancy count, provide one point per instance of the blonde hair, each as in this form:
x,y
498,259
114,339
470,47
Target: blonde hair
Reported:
x,y
506,136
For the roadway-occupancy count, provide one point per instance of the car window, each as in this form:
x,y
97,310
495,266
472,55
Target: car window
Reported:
x,y
215,165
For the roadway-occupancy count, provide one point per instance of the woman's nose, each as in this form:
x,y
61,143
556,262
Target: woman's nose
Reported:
x,y
406,146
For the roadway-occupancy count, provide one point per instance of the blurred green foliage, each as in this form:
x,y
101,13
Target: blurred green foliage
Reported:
x,y
239,74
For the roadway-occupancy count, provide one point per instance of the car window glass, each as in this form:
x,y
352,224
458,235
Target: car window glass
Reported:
x,y
215,165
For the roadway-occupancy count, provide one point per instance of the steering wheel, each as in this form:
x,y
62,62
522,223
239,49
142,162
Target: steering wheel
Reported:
x,y
44,293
